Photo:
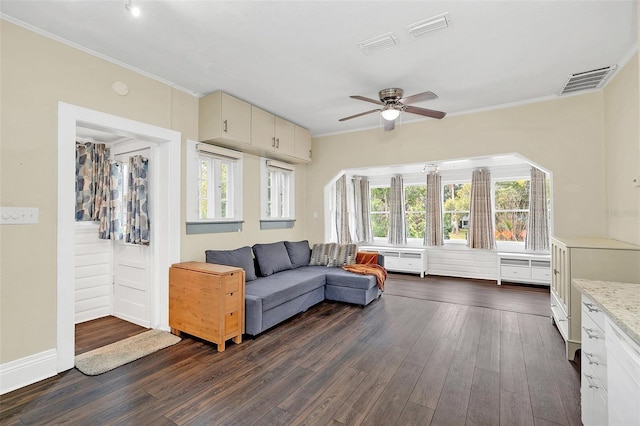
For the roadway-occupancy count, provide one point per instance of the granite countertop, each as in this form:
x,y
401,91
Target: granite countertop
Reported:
x,y
621,301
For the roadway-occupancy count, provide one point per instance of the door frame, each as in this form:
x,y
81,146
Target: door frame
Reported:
x,y
165,245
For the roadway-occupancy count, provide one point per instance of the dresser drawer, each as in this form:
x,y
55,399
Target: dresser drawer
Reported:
x,y
231,283
515,272
231,302
593,311
231,323
541,274
594,350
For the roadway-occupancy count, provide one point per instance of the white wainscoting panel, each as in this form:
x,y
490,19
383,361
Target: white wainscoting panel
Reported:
x,y
461,261
93,273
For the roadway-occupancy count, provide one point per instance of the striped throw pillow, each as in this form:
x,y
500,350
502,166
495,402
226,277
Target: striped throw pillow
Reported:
x,y
343,254
320,254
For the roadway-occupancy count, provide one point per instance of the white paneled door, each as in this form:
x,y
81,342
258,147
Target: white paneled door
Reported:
x,y
132,266
131,286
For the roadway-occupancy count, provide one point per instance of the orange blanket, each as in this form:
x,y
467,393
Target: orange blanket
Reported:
x,y
373,269
366,258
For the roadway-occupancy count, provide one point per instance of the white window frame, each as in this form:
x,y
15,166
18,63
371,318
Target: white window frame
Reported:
x,y
508,245
196,151
285,188
454,182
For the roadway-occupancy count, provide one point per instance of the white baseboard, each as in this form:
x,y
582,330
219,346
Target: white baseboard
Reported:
x,y
25,371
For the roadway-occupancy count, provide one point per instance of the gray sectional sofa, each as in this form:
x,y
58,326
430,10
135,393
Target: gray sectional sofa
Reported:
x,y
283,279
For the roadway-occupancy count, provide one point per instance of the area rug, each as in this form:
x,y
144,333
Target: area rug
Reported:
x,y
107,358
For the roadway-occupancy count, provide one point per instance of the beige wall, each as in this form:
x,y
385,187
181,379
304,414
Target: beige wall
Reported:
x,y
36,73
622,141
564,136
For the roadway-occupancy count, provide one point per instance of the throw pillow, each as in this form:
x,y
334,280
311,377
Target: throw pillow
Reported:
x,y
240,258
272,258
320,254
299,253
343,254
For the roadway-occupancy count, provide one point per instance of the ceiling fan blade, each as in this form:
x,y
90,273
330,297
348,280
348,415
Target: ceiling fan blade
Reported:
x,y
389,124
362,98
426,112
420,97
358,115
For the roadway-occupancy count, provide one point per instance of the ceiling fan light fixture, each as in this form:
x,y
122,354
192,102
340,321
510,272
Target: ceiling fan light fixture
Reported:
x,y
390,113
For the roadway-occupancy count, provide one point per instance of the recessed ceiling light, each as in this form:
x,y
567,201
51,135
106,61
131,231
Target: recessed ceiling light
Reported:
x,y
422,28
133,9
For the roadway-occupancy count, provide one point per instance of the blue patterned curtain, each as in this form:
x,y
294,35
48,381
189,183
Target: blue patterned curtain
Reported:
x,y
111,208
84,182
137,227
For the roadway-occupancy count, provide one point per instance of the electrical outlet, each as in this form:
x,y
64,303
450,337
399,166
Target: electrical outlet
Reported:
x,y
18,215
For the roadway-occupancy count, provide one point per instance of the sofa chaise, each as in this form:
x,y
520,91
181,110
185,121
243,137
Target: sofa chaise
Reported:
x,y
286,278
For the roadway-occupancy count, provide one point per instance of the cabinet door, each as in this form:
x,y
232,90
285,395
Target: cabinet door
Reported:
x,y
284,137
262,129
302,144
236,119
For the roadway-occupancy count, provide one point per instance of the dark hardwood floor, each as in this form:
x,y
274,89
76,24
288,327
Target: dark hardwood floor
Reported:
x,y
97,333
401,360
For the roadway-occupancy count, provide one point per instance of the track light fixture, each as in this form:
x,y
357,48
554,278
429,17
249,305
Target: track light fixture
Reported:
x,y
132,9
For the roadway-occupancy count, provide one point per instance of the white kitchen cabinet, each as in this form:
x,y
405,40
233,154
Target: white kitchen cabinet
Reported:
x,y
271,133
623,376
589,258
302,143
411,260
225,119
593,365
233,123
524,268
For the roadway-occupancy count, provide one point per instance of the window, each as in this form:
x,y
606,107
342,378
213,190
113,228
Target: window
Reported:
x,y
511,209
415,215
278,193
455,208
214,187
379,202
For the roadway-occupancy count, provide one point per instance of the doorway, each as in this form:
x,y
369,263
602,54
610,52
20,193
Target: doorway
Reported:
x,y
165,232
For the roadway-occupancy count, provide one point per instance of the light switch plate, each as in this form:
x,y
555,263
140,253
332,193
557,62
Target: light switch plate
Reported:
x,y
18,215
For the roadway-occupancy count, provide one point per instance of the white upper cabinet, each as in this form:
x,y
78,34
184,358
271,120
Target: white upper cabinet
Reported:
x,y
271,133
302,144
231,122
224,118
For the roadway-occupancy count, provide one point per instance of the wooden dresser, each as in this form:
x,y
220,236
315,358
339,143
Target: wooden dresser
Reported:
x,y
207,301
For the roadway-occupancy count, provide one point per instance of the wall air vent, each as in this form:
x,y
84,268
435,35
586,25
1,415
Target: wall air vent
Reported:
x,y
422,28
587,80
376,44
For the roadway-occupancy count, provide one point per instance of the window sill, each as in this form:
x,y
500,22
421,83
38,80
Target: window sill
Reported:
x,y
277,223
214,227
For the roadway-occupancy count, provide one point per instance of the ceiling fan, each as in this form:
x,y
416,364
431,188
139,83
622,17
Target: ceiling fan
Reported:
x,y
393,104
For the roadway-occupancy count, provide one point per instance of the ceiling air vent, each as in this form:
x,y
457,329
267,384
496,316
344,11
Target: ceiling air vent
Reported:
x,y
587,80
422,28
376,44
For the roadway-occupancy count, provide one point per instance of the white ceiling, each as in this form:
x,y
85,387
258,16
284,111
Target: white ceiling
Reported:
x,y
300,60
